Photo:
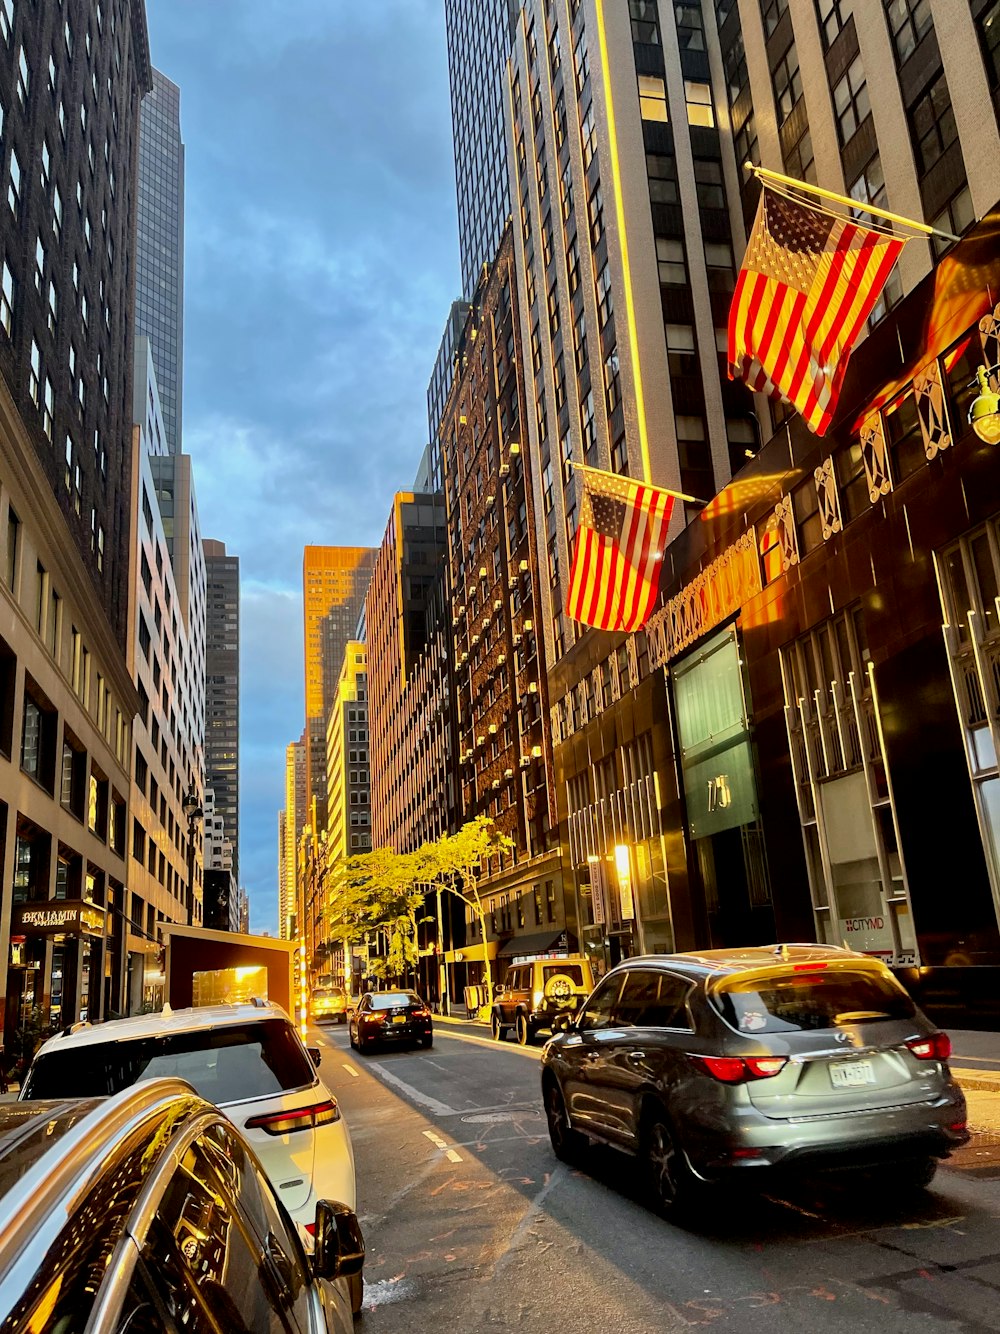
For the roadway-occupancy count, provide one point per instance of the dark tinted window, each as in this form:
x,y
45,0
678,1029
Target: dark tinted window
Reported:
x,y
204,1263
389,1000
652,1000
571,970
223,1064
794,1002
598,1011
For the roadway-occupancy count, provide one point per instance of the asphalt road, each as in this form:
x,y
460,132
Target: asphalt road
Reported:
x,y
473,1225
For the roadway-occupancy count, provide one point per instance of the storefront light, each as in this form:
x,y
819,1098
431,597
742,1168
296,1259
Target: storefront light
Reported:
x,y
984,413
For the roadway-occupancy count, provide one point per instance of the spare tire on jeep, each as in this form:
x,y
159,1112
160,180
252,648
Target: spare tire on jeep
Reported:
x,y
559,988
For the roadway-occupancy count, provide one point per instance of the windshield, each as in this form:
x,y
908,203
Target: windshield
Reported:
x,y
388,1000
223,1064
796,1002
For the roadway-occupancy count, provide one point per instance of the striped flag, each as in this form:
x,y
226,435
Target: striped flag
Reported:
x,y
808,283
615,575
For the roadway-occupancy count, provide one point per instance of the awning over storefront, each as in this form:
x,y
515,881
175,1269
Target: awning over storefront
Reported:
x,y
540,942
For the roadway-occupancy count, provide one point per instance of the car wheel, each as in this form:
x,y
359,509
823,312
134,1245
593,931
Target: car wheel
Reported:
x,y
522,1030
352,1036
496,1027
567,1144
342,1019
910,1174
427,1041
671,1182
356,1289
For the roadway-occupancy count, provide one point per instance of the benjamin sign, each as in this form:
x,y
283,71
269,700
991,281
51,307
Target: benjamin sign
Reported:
x,y
64,917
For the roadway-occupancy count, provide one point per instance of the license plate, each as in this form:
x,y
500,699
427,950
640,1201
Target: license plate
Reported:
x,y
399,1018
851,1074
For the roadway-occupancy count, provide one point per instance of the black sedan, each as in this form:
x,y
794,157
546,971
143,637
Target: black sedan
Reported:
x,y
390,1017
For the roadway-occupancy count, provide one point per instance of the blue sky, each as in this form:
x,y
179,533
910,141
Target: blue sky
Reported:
x,y
321,259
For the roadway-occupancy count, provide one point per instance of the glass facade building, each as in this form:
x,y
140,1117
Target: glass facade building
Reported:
x,y
222,689
159,288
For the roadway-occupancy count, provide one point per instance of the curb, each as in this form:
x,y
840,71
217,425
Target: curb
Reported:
x,y
980,1081
460,1023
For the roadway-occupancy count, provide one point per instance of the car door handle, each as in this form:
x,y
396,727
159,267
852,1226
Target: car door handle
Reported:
x,y
636,1056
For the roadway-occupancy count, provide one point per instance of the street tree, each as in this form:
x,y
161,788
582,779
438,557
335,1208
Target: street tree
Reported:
x,y
373,892
453,863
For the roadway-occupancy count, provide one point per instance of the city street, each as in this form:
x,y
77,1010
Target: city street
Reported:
x,y
472,1224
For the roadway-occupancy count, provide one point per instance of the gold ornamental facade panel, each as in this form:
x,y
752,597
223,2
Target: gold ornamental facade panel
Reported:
x,y
716,593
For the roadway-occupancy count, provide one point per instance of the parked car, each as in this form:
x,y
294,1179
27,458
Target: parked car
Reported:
x,y
149,1212
248,1060
738,1063
535,992
390,1017
328,1003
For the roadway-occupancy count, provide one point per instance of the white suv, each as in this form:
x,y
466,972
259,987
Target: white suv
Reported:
x,y
247,1059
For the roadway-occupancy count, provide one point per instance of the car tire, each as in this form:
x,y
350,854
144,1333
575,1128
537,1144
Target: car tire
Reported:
x,y
522,1030
356,1289
427,1041
342,1019
351,1037
672,1186
911,1174
496,1027
567,1144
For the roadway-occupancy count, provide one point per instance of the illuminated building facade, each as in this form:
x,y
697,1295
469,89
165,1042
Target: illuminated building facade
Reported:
x,y
501,701
348,781
334,583
295,816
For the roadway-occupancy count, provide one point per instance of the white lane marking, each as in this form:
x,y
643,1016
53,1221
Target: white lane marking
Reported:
x,y
422,1099
513,1048
450,1153
351,1070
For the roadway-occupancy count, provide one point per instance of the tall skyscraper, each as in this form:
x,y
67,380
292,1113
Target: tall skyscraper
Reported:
x,y
479,40
296,814
222,688
334,583
67,700
159,296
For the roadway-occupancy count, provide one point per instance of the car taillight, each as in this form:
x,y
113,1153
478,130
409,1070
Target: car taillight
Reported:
x,y
935,1048
298,1118
738,1069
420,1014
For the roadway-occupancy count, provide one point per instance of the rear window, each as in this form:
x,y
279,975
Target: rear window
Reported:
x,y
798,1002
223,1064
571,970
389,1000
326,993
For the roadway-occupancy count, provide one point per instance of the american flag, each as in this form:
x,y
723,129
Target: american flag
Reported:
x,y
615,575
808,283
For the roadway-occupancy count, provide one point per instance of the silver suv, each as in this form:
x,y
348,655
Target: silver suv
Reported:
x,y
743,1062
148,1212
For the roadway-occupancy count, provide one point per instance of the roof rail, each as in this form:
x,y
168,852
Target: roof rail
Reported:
x,y
260,1002
75,1028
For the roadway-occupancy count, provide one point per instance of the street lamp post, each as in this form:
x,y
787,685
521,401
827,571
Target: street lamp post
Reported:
x,y
192,809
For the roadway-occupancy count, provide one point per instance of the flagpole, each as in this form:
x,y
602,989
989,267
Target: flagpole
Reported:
x,y
634,481
763,174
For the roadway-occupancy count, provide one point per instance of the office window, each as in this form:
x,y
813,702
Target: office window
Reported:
x,y
719,263
34,373
13,536
645,27
588,143
661,172
612,380
869,187
799,162
595,211
14,185
708,183
23,79
808,523
932,124
988,27
903,435
909,21
955,217
670,262
652,98
7,311
587,423
787,82
573,262
48,408
833,15
699,103
851,104
605,302
6,19
771,12
680,349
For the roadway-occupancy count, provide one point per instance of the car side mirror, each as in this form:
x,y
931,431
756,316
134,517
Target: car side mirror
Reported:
x,y
316,1054
339,1244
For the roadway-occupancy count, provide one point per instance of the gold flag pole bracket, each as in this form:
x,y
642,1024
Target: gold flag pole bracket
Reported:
x,y
635,481
776,178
